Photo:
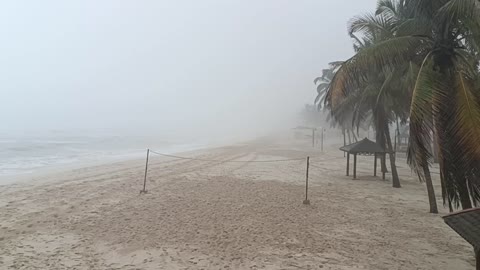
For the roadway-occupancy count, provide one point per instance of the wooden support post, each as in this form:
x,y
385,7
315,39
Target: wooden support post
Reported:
x,y
477,256
323,135
375,165
348,164
144,190
344,140
306,201
313,137
383,162
355,166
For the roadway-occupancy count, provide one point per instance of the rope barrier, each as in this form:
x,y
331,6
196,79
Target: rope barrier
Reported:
x,y
227,161
318,167
322,158
149,151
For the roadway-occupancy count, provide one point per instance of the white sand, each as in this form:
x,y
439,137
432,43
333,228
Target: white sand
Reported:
x,y
212,215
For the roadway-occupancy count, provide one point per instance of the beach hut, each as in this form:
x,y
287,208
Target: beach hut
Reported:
x,y
364,147
467,224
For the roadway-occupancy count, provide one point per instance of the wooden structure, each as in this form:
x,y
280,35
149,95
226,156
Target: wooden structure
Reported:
x,y
297,136
364,147
401,139
467,224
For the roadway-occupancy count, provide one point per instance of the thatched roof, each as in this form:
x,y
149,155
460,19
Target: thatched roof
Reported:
x,y
364,146
467,225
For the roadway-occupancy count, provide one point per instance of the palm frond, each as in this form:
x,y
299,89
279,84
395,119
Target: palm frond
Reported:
x,y
466,127
466,131
459,10
383,88
371,26
321,91
354,71
335,65
414,26
424,8
387,8
421,121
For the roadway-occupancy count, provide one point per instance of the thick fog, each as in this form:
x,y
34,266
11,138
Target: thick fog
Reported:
x,y
228,68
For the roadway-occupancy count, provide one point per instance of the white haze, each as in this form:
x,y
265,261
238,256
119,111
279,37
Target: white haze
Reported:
x,y
223,68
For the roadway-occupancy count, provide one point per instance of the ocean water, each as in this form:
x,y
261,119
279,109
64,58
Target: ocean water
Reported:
x,y
28,154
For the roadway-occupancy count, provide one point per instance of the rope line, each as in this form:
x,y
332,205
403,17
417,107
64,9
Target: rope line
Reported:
x,y
318,167
227,161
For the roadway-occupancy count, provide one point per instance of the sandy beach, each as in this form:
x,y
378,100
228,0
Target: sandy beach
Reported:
x,y
227,215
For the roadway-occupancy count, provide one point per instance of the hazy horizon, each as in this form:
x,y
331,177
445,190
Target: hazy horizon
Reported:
x,y
184,67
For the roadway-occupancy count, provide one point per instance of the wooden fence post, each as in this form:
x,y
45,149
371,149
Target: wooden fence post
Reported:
x,y
306,201
144,190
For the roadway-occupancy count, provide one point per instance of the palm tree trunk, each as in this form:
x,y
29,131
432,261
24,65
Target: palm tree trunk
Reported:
x,y
399,140
430,190
349,138
384,165
435,148
380,138
477,258
354,136
391,154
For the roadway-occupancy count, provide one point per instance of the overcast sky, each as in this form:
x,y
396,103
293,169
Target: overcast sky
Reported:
x,y
172,65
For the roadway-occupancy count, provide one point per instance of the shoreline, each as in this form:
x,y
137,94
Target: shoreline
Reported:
x,y
53,170
39,174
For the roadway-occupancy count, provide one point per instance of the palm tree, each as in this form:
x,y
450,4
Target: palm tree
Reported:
x,y
442,38
324,81
377,94
322,84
